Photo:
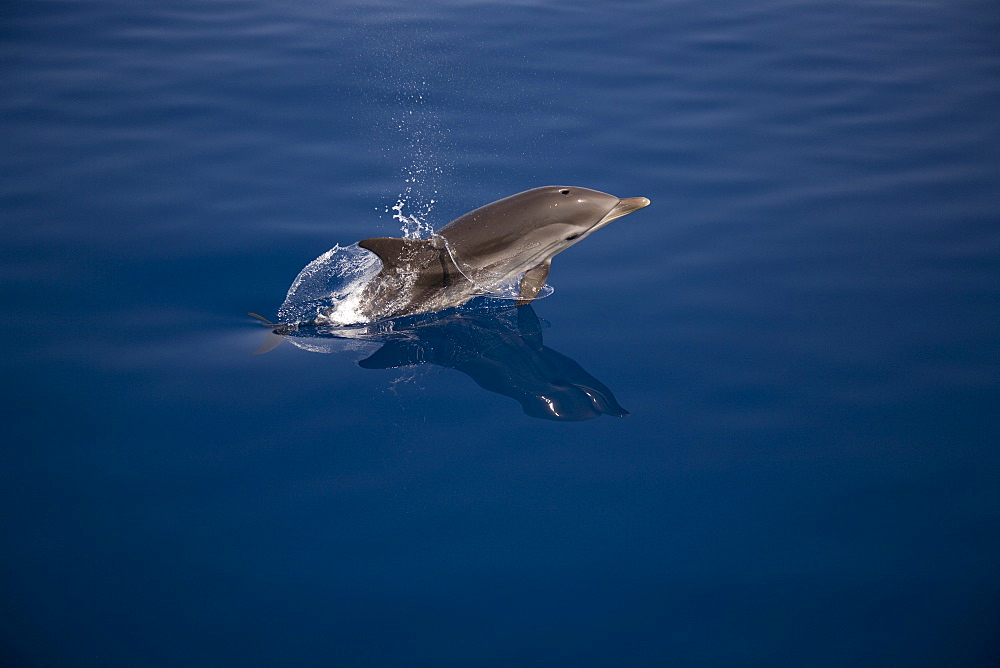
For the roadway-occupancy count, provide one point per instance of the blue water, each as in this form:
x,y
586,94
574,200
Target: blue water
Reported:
x,y
804,328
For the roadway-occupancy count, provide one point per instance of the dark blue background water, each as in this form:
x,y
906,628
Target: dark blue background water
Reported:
x,y
804,325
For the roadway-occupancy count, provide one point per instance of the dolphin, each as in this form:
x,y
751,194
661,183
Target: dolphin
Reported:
x,y
485,250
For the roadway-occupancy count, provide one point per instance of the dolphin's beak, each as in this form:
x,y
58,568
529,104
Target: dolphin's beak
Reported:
x,y
623,208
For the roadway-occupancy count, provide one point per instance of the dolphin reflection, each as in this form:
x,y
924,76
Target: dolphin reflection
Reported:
x,y
499,348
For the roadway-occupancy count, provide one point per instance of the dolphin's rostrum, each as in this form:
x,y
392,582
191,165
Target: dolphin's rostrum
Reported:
x,y
485,250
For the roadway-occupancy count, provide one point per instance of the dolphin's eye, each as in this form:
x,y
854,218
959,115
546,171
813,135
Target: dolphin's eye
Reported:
x,y
564,191
573,236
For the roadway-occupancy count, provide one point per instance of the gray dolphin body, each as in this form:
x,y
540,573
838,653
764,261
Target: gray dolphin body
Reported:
x,y
486,249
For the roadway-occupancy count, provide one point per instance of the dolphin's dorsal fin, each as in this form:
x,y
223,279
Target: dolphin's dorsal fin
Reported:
x,y
415,273
533,281
395,252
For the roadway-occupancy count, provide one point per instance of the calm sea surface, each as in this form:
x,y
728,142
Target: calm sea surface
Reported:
x,y
804,328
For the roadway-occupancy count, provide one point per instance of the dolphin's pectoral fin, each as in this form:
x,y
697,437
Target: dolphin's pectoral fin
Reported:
x,y
399,253
532,282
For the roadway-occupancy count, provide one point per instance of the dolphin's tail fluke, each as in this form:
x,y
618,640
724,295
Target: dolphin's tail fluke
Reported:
x,y
270,342
274,338
265,320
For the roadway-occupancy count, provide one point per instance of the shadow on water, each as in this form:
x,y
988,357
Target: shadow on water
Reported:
x,y
500,348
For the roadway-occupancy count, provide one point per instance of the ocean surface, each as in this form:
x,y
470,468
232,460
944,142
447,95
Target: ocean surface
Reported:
x,y
754,424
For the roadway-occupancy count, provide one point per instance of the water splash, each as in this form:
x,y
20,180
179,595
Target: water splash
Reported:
x,y
412,225
421,135
328,290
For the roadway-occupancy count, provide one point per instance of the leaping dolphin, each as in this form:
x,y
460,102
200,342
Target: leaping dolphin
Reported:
x,y
485,250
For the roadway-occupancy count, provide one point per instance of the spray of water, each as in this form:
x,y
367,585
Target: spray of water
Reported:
x,y
421,137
